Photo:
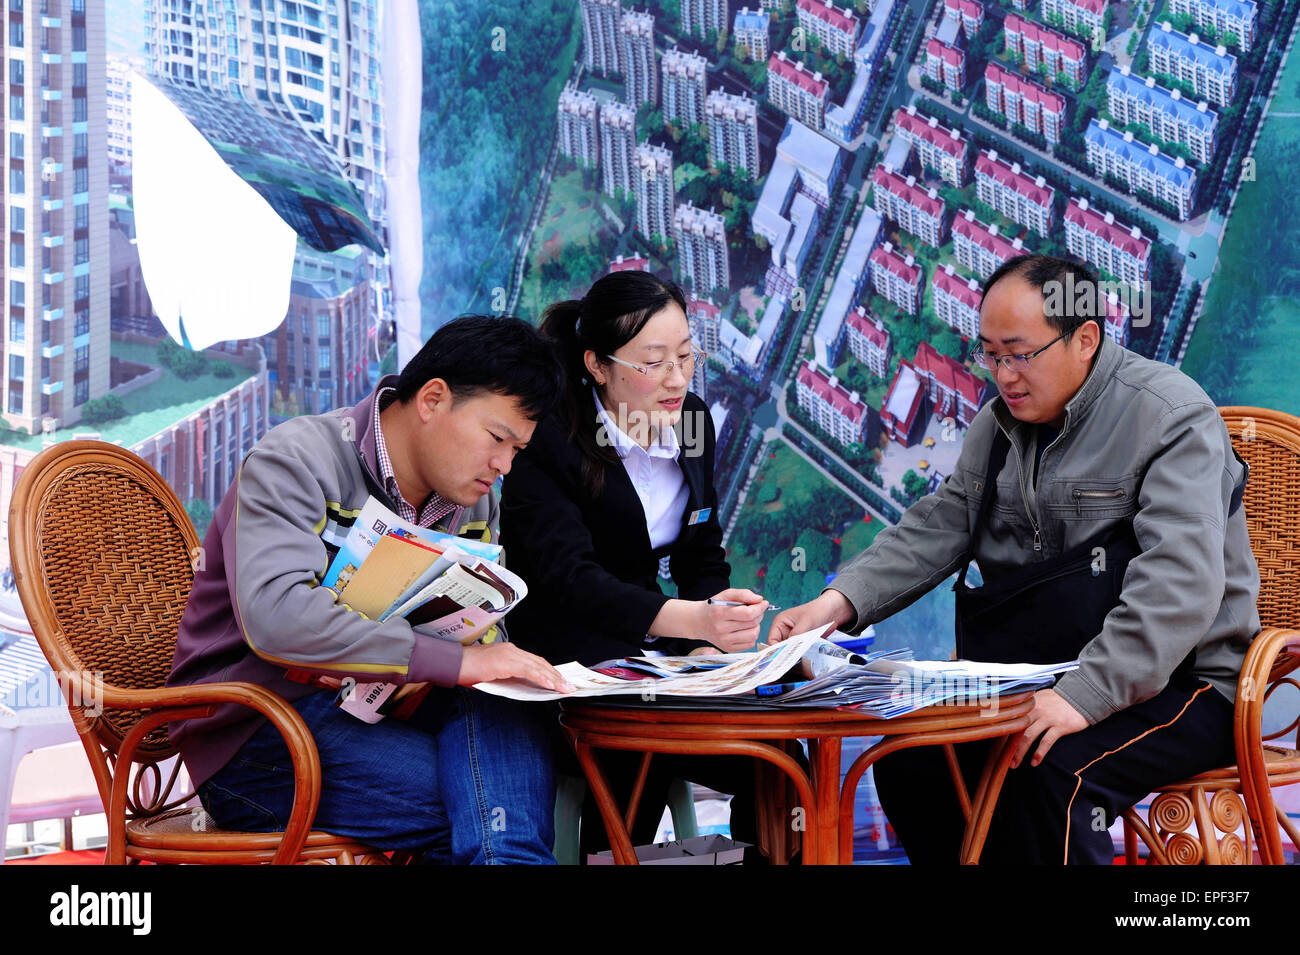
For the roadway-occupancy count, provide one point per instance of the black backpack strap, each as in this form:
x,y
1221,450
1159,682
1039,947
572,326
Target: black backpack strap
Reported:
x,y
997,458
1240,489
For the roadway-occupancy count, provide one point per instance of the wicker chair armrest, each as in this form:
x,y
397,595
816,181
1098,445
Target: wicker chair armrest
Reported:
x,y
198,700
1259,668
1262,658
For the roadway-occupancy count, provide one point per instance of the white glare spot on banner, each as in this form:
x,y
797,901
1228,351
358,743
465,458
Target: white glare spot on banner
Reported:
x,y
212,251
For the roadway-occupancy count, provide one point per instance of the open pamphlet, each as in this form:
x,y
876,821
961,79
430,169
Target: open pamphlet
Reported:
x,y
804,671
445,586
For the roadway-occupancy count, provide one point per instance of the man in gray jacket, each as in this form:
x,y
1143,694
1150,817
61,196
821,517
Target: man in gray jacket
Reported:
x,y
468,778
1103,446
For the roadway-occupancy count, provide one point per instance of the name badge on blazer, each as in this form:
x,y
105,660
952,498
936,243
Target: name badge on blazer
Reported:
x,y
699,517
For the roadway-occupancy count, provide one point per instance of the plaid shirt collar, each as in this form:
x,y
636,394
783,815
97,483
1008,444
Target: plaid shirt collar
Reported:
x,y
434,508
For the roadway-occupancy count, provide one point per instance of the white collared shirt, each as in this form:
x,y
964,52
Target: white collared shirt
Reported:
x,y
656,476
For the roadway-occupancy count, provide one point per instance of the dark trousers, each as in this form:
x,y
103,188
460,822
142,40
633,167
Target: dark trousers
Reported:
x,y
1060,810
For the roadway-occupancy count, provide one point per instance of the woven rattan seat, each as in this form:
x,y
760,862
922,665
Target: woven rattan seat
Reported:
x,y
1283,767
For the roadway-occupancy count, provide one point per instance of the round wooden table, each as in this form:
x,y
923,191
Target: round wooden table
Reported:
x,y
823,810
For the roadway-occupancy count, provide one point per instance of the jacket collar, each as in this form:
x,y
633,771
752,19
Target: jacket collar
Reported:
x,y
1109,356
362,416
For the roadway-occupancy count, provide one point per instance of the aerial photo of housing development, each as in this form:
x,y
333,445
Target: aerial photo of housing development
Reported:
x,y
832,184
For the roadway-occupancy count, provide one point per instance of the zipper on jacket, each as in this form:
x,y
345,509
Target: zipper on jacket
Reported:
x,y
1038,537
1080,493
1039,470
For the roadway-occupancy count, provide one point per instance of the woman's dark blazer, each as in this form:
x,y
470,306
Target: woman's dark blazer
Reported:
x,y
591,573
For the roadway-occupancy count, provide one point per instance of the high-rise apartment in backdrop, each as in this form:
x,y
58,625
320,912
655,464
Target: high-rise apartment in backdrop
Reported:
x,y
55,208
318,66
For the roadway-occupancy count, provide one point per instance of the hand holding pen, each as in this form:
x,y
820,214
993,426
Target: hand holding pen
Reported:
x,y
731,620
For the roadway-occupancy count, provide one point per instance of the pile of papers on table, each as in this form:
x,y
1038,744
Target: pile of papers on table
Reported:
x,y
803,671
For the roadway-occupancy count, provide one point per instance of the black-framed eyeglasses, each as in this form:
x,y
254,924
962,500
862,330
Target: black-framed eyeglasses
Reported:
x,y
1012,363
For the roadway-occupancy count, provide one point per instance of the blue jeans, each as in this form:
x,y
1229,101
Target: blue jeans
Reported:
x,y
467,779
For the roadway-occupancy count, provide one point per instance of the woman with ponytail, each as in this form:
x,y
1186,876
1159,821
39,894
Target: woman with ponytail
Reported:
x,y
618,479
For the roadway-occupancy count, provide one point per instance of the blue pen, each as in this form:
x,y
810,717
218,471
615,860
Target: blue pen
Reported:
x,y
776,689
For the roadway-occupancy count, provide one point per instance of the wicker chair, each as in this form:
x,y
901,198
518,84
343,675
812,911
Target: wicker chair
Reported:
x,y
1217,802
102,554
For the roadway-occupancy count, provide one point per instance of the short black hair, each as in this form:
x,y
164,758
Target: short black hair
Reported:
x,y
1044,271
478,353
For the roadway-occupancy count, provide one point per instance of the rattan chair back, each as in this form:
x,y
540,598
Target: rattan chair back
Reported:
x,y
1270,441
103,558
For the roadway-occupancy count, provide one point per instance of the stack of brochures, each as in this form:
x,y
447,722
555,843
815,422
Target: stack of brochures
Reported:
x,y
803,671
445,586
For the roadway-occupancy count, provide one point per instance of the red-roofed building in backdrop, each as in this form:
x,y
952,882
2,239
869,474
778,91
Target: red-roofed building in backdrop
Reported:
x,y
945,64
1100,240
836,27
968,14
1117,320
868,340
903,415
897,277
917,210
705,321
957,301
938,147
979,247
953,391
1018,196
1040,47
1080,17
1022,101
839,412
797,91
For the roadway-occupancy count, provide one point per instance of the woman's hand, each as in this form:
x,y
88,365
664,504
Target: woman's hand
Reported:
x,y
730,629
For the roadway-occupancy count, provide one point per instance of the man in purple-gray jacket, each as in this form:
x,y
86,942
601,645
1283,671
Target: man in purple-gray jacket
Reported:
x,y
468,778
